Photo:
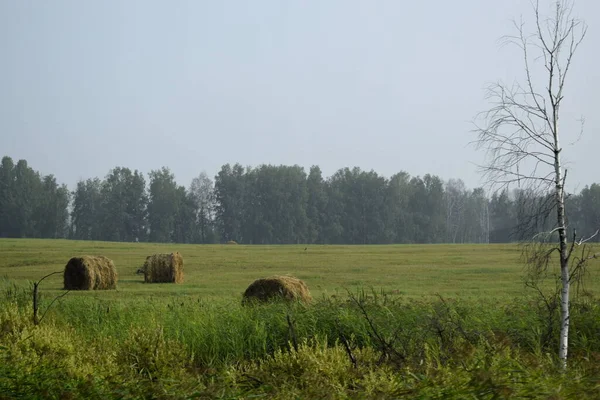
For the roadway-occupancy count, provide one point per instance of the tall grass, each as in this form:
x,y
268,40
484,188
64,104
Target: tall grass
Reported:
x,y
178,347
484,337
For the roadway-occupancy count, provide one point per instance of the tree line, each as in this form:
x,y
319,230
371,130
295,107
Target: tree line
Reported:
x,y
271,204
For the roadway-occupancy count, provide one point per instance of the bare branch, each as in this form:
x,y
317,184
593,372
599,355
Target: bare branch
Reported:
x,y
581,241
582,121
579,268
544,234
520,136
50,305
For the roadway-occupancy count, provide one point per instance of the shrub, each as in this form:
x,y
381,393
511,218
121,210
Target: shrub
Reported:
x,y
148,353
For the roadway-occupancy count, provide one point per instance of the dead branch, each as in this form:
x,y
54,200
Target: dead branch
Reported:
x,y
581,241
36,298
387,349
292,332
52,302
346,345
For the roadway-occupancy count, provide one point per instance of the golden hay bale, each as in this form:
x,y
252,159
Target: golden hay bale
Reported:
x,y
232,242
277,287
164,268
90,273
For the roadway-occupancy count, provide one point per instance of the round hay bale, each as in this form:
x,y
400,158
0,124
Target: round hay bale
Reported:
x,y
90,273
232,242
277,287
163,268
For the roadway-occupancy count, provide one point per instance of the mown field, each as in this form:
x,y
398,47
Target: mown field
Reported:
x,y
224,271
422,321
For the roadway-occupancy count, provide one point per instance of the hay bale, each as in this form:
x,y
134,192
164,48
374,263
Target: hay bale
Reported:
x,y
90,273
277,287
232,242
163,268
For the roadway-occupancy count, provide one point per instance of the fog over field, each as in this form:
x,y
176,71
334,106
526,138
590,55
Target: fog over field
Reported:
x,y
86,86
280,199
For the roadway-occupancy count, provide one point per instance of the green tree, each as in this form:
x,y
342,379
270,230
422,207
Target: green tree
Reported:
x,y
26,195
477,218
7,201
428,209
124,203
360,205
502,218
31,205
316,207
52,214
398,214
229,202
274,205
184,218
137,207
589,205
163,203
203,198
288,201
86,213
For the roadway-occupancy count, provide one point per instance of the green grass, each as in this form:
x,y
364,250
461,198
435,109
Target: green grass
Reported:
x,y
224,271
488,338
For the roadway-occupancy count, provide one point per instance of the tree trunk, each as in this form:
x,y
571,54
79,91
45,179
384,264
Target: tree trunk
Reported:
x,y
564,257
565,280
531,134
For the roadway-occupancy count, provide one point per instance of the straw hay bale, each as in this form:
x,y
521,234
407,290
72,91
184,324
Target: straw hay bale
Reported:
x,y
277,287
90,273
164,268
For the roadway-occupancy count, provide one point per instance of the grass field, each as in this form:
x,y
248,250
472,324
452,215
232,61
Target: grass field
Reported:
x,y
224,271
486,337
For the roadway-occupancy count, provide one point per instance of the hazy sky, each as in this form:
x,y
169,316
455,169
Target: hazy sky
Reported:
x,y
386,85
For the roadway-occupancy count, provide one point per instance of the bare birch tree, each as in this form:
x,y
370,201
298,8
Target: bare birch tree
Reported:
x,y
521,136
455,196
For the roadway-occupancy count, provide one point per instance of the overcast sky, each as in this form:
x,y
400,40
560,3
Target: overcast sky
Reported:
x,y
386,85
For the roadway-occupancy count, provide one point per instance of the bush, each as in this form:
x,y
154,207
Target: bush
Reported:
x,y
91,347
146,352
317,370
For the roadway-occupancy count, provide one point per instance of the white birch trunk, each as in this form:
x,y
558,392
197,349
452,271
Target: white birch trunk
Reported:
x,y
563,250
523,125
564,269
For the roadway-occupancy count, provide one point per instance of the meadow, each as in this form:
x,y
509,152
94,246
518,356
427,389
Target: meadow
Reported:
x,y
224,271
414,321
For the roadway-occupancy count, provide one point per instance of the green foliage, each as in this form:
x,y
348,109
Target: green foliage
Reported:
x,y
275,204
87,210
147,352
315,370
163,205
201,193
123,206
229,198
315,206
31,205
177,347
43,361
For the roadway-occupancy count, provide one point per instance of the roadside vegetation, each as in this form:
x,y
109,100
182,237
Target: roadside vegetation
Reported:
x,y
357,339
